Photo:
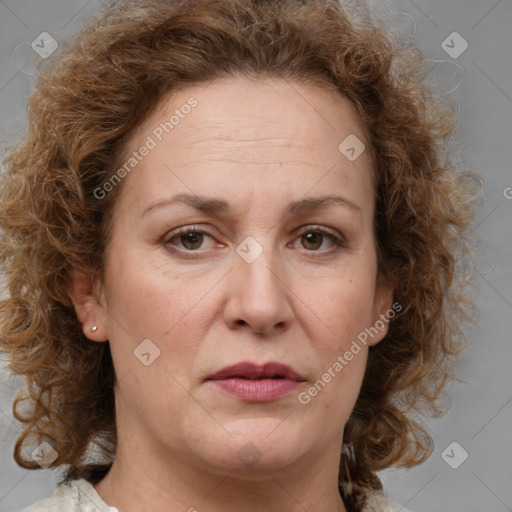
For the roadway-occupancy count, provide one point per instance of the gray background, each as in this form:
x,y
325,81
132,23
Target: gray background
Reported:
x,y
480,81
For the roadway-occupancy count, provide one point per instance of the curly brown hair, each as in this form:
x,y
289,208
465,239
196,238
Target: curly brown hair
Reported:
x,y
91,97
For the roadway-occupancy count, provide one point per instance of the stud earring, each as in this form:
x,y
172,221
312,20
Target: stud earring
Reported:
x,y
94,328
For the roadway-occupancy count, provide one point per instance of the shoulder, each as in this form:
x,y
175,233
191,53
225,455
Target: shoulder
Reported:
x,y
79,495
376,501
71,496
64,498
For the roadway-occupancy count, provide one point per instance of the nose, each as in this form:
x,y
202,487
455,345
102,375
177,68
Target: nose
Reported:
x,y
258,296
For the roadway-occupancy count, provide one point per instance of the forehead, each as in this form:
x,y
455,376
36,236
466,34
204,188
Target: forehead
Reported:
x,y
244,110
281,133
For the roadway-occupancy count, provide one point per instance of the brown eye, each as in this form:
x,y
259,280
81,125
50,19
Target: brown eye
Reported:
x,y
319,241
192,240
189,239
312,240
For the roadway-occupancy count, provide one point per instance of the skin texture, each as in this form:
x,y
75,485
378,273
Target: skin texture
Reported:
x,y
259,145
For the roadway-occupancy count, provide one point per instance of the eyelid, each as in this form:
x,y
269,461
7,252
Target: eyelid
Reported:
x,y
318,227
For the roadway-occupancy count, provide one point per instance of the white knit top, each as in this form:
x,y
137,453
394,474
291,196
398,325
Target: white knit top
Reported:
x,y
80,496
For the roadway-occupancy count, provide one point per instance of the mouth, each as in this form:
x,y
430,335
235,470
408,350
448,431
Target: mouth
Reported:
x,y
250,371
252,383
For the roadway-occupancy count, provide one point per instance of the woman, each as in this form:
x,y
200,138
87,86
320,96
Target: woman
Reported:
x,y
234,248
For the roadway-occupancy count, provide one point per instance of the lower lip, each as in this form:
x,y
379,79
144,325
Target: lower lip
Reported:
x,y
264,390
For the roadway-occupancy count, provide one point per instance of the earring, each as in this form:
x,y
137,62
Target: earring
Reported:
x,y
94,328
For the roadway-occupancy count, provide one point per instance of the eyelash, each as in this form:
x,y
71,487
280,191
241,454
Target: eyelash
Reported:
x,y
338,242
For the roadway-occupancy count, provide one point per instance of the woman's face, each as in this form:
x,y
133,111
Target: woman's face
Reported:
x,y
278,266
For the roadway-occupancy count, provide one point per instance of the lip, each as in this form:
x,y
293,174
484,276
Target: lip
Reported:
x,y
274,381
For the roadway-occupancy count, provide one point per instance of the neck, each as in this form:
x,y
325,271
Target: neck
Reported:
x,y
136,480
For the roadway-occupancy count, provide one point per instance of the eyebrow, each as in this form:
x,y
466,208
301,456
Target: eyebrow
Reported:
x,y
215,205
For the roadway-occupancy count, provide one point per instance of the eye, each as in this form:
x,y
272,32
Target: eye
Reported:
x,y
315,238
191,238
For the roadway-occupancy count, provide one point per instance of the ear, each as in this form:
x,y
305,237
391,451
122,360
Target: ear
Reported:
x,y
88,307
383,310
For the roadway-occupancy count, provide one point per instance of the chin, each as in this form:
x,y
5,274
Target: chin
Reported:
x,y
262,444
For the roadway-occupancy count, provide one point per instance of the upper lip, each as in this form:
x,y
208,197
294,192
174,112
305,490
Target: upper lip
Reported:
x,y
253,371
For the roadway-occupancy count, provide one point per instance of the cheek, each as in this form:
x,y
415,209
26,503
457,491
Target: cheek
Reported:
x,y
155,302
344,304
148,305
345,310
148,297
